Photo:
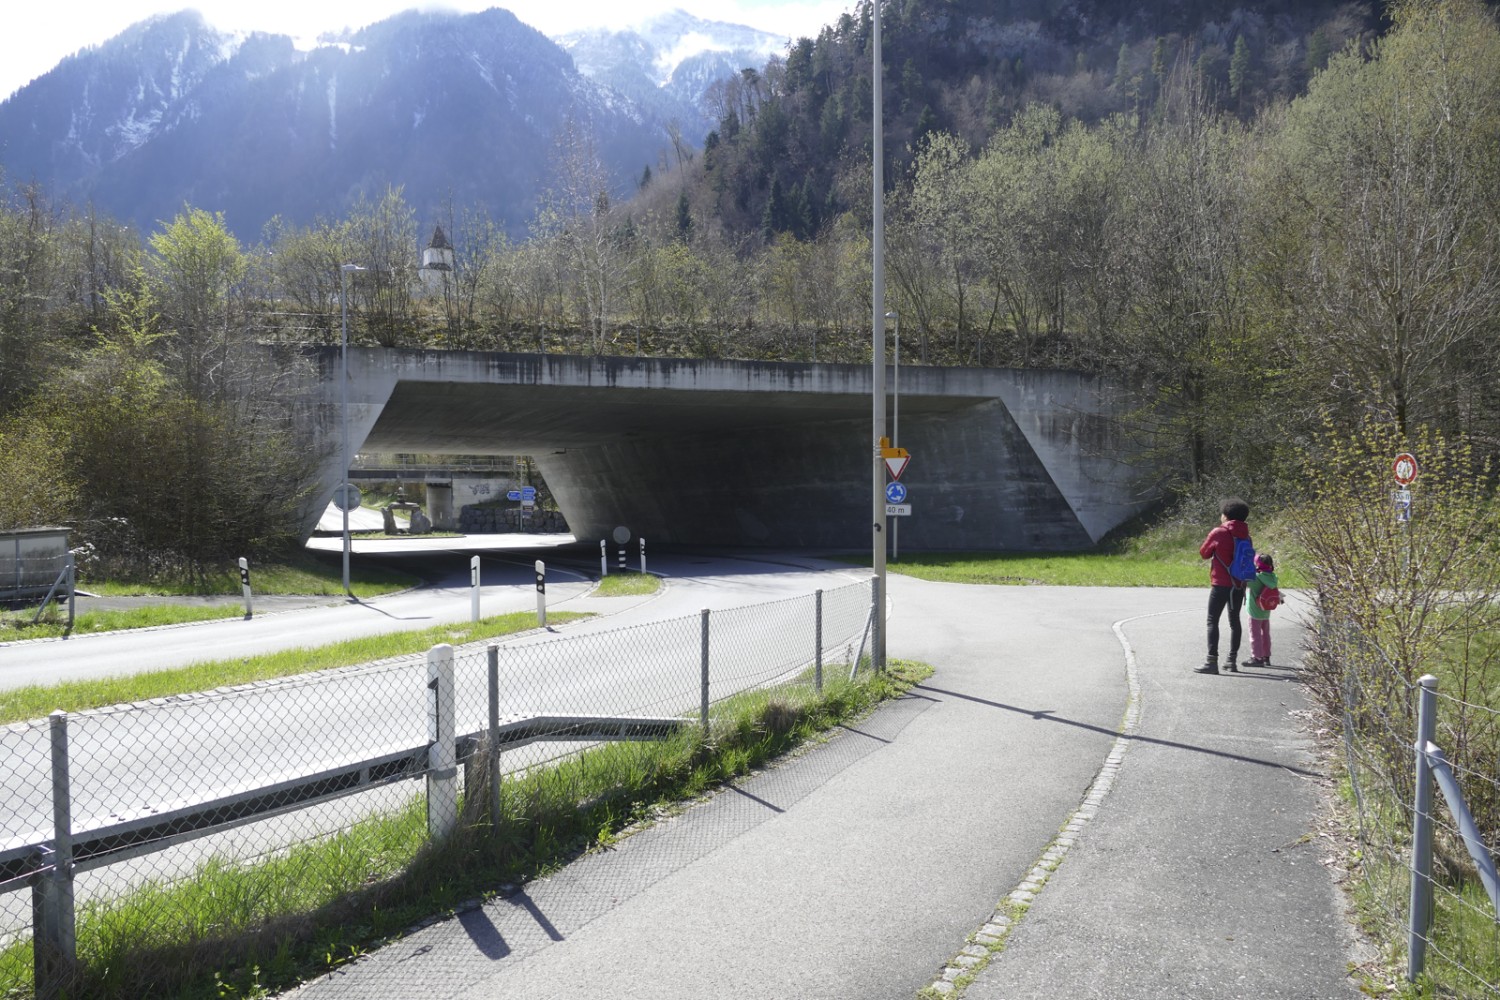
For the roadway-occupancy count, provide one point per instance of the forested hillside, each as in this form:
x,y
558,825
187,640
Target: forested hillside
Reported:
x,y
1260,221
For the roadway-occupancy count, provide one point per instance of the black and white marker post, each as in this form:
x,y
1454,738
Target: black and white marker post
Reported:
x,y
474,589
245,586
541,594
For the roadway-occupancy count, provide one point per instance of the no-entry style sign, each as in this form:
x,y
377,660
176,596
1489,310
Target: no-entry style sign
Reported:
x,y
1405,468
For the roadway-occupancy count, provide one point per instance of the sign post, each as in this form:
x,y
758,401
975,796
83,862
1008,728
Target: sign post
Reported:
x,y
895,460
1404,468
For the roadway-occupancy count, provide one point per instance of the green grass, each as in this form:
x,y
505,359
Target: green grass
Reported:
x,y
35,702
300,573
1165,555
628,584
239,930
18,625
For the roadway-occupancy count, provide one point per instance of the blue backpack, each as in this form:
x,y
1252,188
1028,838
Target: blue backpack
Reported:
x,y
1242,567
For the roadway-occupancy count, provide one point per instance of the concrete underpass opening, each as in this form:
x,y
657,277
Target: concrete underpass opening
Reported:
x,y
761,454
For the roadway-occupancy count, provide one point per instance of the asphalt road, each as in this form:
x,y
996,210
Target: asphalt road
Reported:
x,y
508,584
861,869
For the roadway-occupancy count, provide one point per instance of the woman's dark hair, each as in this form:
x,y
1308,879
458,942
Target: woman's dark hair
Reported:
x,y
1235,509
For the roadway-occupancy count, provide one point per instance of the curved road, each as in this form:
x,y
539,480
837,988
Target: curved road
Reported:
x,y
507,585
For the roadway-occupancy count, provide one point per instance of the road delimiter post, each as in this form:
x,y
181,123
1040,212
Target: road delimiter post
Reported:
x,y
541,594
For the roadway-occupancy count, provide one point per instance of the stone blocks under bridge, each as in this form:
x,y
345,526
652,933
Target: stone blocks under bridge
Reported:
x,y
760,454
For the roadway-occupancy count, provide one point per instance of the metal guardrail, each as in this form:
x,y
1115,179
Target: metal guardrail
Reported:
x,y
156,831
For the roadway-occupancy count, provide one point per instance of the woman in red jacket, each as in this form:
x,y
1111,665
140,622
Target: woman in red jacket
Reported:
x,y
1223,589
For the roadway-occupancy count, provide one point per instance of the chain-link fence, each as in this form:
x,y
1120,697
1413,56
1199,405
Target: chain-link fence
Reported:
x,y
1426,875
139,829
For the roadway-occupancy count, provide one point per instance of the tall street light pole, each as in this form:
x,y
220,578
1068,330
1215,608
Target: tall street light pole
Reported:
x,y
895,418
343,491
877,548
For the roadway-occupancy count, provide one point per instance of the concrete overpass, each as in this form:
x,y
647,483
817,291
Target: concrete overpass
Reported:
x,y
758,453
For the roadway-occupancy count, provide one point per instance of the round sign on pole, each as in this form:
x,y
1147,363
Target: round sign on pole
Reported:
x,y
622,534
347,497
1405,468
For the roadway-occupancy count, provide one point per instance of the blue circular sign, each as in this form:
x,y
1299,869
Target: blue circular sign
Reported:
x,y
895,493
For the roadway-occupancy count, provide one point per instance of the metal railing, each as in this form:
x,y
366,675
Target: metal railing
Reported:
x,y
107,803
1426,869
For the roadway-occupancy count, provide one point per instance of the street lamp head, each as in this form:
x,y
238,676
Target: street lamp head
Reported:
x,y
348,268
890,315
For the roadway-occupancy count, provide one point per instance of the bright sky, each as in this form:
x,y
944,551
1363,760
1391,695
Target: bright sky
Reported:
x,y
39,33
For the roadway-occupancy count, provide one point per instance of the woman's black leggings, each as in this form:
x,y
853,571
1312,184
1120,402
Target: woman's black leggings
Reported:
x,y
1218,597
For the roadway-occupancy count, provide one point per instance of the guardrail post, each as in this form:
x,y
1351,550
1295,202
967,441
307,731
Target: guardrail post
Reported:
x,y
55,943
493,653
704,646
818,645
442,770
1421,846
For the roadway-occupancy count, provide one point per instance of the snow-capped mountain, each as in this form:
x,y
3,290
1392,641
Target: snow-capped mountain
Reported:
x,y
465,107
667,63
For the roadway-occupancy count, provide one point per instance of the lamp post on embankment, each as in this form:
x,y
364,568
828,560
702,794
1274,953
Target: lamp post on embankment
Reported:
x,y
877,241
343,490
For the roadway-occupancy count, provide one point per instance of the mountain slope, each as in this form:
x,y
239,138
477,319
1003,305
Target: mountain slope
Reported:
x,y
173,112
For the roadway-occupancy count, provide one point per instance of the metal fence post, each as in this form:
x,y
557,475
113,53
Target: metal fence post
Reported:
x,y
72,587
704,645
442,770
494,762
1421,846
818,645
55,943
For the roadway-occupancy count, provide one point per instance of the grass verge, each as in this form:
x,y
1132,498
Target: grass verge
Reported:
x,y
628,584
241,930
19,625
1164,555
35,702
296,573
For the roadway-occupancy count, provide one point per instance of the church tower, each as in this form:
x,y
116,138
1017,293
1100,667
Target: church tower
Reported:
x,y
437,262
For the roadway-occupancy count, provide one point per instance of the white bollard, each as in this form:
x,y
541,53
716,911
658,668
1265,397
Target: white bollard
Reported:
x,y
245,586
474,589
643,556
603,558
541,594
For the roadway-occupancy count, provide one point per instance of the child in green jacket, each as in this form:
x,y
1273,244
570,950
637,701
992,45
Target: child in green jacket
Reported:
x,y
1260,618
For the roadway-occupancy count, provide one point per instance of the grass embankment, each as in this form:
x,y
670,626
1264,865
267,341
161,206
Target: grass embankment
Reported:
x,y
303,575
242,930
628,584
21,704
1163,555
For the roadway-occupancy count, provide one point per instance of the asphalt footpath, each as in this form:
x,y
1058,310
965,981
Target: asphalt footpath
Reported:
x,y
1063,785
